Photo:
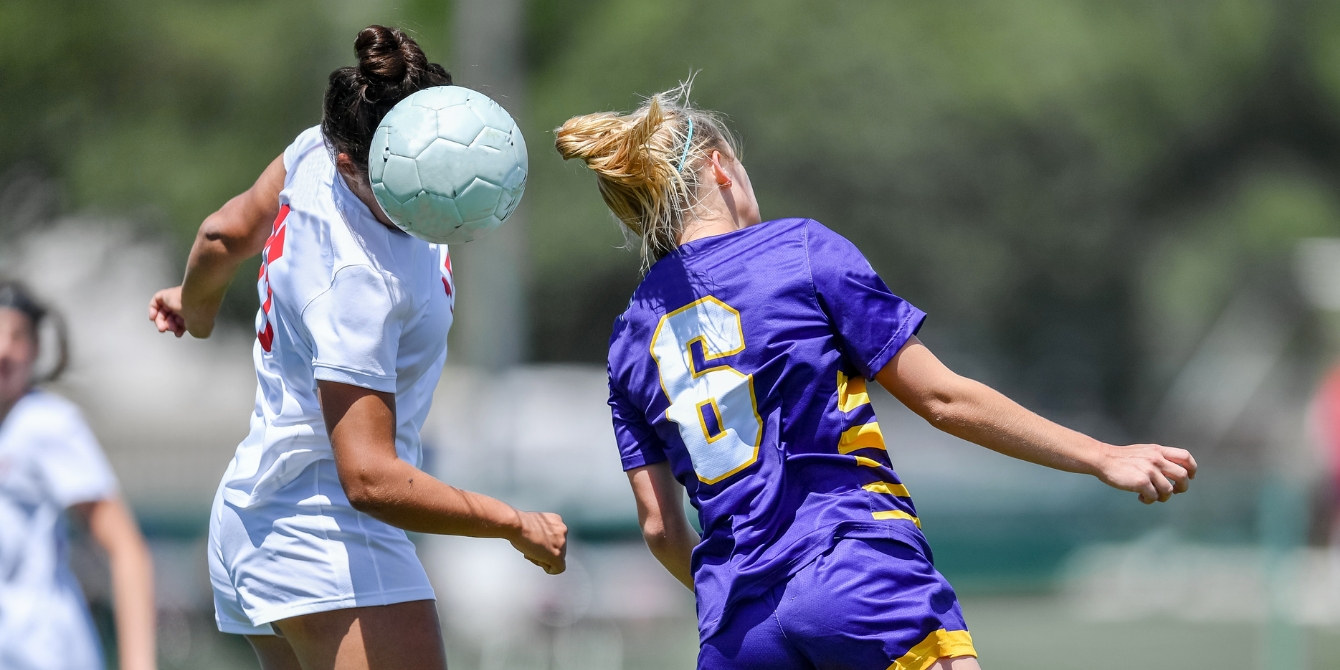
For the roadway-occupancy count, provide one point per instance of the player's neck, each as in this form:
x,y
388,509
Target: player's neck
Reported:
x,y
362,191
717,218
697,229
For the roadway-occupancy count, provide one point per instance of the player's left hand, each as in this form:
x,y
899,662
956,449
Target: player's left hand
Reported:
x,y
1154,471
543,540
166,312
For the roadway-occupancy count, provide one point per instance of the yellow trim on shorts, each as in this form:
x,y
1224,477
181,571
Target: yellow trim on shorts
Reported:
x,y
940,644
895,514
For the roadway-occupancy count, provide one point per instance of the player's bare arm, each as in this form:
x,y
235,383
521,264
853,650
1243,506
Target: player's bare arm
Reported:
x,y
665,526
977,413
113,527
362,427
236,232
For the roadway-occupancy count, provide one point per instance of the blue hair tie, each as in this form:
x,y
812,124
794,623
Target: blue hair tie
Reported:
x,y
688,142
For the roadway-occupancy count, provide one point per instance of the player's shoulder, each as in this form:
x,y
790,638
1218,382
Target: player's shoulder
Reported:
x,y
771,233
657,294
307,141
309,174
814,231
760,245
45,414
826,250
299,262
790,226
680,276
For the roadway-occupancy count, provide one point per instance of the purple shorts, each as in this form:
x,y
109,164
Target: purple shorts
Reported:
x,y
866,604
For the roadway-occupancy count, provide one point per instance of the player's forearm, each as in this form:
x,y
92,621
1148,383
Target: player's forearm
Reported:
x,y
132,588
406,497
131,568
979,414
215,257
227,238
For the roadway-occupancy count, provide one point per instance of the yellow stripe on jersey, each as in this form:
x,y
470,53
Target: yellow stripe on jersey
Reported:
x,y
896,514
891,489
851,392
939,644
868,436
868,462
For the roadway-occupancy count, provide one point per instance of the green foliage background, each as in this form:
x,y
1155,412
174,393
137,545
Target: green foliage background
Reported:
x,y
1072,189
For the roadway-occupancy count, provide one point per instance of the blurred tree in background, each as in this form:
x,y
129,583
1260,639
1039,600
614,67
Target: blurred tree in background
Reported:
x,y
1073,190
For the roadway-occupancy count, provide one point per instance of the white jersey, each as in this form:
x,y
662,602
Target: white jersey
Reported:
x,y
345,299
49,461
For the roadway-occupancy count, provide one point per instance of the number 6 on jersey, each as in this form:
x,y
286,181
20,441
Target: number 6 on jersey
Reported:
x,y
715,406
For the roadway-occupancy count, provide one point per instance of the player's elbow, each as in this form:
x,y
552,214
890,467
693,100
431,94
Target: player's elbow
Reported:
x,y
366,490
215,231
940,413
653,531
226,231
945,410
949,405
667,539
656,535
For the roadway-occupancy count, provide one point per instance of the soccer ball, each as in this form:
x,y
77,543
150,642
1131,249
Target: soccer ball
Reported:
x,y
448,164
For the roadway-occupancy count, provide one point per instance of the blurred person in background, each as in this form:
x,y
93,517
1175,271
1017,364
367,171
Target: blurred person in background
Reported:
x,y
307,547
51,464
1326,421
738,372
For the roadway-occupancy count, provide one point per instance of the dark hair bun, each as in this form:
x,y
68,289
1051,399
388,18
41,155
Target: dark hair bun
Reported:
x,y
387,56
391,66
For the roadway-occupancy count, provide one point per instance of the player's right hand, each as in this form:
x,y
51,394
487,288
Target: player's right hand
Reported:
x,y
1154,471
165,311
543,540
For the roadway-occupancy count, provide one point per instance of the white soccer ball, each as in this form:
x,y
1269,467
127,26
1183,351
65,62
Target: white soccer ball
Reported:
x,y
448,164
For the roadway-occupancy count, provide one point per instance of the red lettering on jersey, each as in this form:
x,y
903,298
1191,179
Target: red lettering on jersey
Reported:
x,y
274,249
446,273
266,337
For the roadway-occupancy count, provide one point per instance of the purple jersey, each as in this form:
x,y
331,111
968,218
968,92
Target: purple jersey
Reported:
x,y
742,359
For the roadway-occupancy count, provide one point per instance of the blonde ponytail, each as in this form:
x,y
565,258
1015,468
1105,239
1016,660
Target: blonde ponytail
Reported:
x,y
647,163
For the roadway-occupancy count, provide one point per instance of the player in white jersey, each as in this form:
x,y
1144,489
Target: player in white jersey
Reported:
x,y
50,464
308,553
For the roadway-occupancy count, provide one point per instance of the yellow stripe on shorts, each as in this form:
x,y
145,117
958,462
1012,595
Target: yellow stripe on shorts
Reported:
x,y
939,644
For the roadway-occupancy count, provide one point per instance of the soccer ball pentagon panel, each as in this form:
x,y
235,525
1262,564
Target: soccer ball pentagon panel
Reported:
x,y
448,164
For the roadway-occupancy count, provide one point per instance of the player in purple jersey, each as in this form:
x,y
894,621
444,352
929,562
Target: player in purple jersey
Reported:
x,y
738,372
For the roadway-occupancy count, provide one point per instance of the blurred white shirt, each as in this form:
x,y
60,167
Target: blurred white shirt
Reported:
x,y
49,461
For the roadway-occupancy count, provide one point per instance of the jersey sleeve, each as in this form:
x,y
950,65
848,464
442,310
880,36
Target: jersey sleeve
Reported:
x,y
355,330
638,442
71,462
871,322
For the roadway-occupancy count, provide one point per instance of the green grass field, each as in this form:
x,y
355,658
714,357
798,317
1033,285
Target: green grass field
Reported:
x,y
1011,633
1042,633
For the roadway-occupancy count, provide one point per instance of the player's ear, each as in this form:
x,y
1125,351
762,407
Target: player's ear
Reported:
x,y
345,165
719,173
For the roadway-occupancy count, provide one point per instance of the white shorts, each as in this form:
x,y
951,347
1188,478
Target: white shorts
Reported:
x,y
303,550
